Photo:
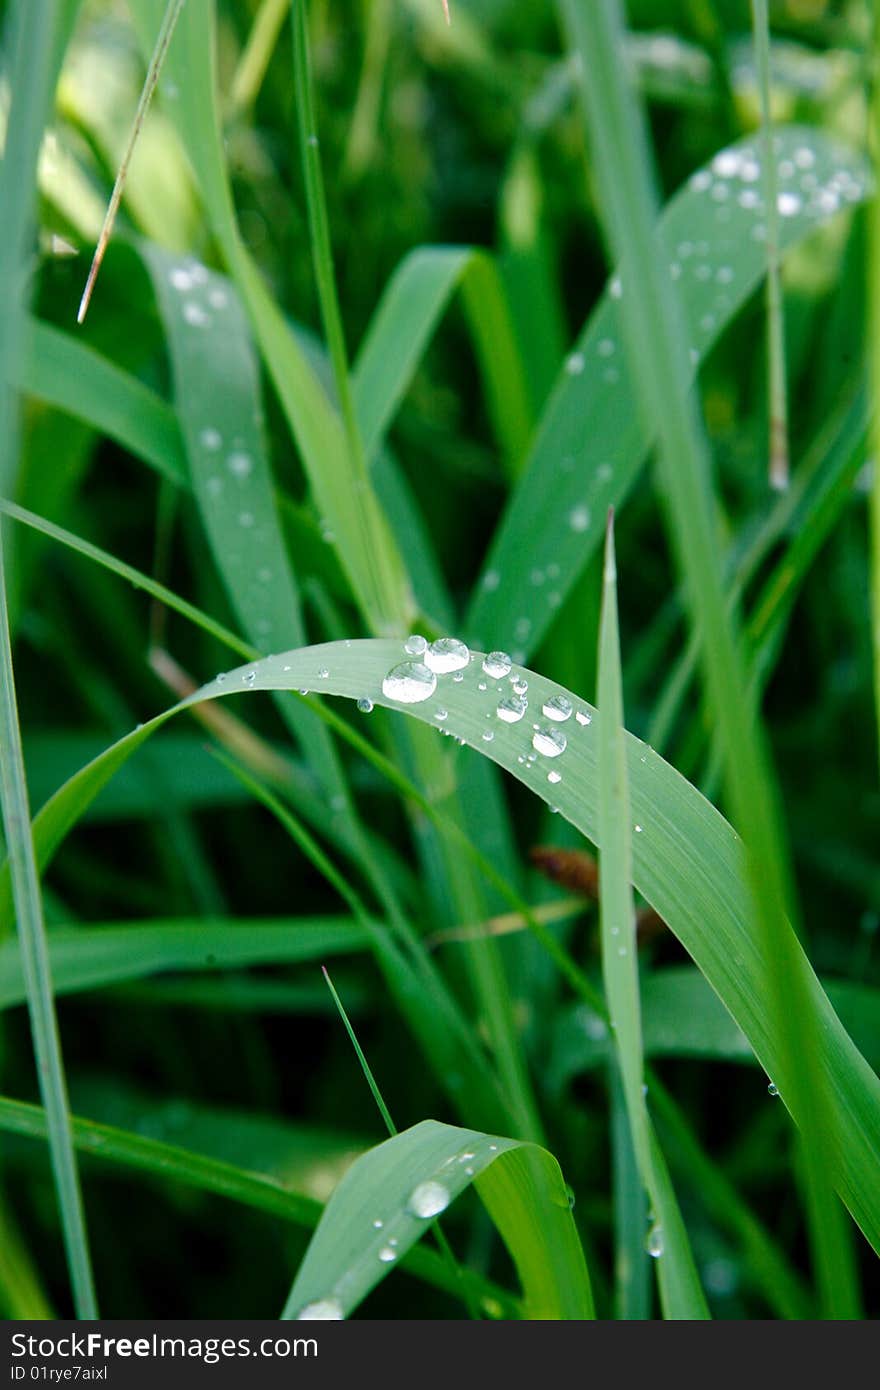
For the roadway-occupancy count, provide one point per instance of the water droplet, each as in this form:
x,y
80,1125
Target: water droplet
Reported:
x,y
409,683
323,1309
195,314
615,289
246,519
240,464
491,580
574,363
511,709
638,829
440,715
582,717
428,1199
323,673
557,708
365,705
217,298
606,347
378,1223
221,678
488,736
550,742
210,439
789,204
447,654
554,776
519,685
249,677
415,645
181,279
654,1241
701,180
386,1254
579,518
773,1089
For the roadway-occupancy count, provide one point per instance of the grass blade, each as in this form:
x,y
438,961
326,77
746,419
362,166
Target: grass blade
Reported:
x,y
777,393
593,437
680,1292
30,30
388,1197
658,344
687,862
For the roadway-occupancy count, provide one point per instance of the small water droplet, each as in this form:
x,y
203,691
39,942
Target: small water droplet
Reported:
x,y
554,776
447,654
582,717
488,736
365,705
240,464
378,1223
415,645
638,829
249,677
789,204
550,742
579,518
574,363
511,709
428,1199
195,314
654,1241
491,580
606,347
440,715
323,1309
323,673
218,298
558,708
210,439
181,279
386,1254
773,1089
519,685
409,683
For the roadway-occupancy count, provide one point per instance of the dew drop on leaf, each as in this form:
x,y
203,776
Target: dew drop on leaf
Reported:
x,y
428,1199
409,683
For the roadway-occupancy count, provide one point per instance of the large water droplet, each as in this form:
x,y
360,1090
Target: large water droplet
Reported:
x,y
409,683
497,665
447,654
654,1241
511,709
550,742
429,1199
323,1309
557,708
210,438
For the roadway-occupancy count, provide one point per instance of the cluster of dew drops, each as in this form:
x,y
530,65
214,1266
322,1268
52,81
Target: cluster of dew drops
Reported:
x,y
426,1201
417,678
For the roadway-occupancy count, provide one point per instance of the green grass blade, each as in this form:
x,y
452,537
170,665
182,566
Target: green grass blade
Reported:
x,y
593,437
74,378
257,53
388,1197
85,958
413,301
687,862
30,34
777,393
680,1293
170,1163
343,496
